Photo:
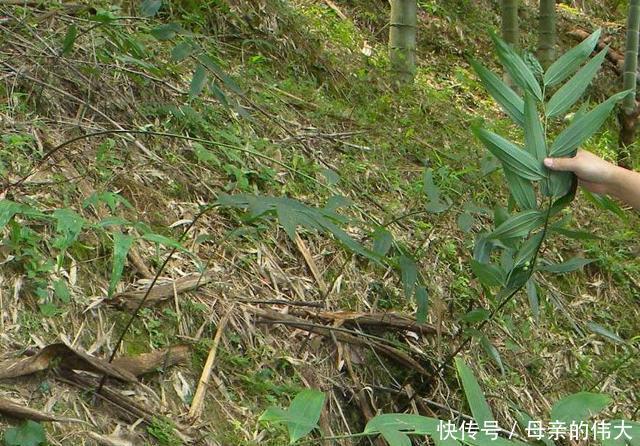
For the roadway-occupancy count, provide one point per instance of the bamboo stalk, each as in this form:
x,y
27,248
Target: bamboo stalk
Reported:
x,y
402,39
547,33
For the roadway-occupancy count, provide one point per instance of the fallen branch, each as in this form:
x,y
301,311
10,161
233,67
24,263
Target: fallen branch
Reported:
x,y
129,300
340,335
196,405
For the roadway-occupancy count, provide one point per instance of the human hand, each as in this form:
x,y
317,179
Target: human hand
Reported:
x,y
594,174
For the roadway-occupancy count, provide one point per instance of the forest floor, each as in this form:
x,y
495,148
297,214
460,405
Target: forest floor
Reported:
x,y
293,99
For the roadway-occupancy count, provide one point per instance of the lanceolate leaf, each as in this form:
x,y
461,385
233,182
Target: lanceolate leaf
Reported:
x,y
579,406
518,225
568,266
534,140
517,160
409,273
198,81
395,427
521,189
301,417
560,183
488,274
569,62
569,93
528,250
69,39
599,329
532,295
422,302
508,100
121,246
584,127
516,67
475,397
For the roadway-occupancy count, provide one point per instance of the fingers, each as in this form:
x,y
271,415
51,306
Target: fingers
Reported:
x,y
561,164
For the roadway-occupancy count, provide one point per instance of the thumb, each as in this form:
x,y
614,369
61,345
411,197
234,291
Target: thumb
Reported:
x,y
561,164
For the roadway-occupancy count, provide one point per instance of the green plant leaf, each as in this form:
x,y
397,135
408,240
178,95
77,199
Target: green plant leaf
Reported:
x,y
476,315
521,190
492,352
627,431
518,225
532,297
69,224
583,127
382,241
307,405
465,221
165,241
181,51
516,67
395,427
528,250
568,266
198,81
601,201
121,246
513,158
149,8
560,183
211,64
534,140
579,406
569,62
8,209
69,39
409,274
287,220
488,274
432,191
576,235
475,397
302,416
28,433
569,93
62,291
602,331
166,31
422,302
507,99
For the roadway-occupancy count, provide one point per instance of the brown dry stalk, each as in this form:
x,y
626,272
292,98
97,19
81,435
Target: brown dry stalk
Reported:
x,y
198,400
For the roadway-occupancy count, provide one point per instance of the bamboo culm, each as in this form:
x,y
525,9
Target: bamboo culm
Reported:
x,y
402,39
547,33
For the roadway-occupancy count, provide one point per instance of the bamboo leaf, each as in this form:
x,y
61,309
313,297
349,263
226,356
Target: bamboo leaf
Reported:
x,y
518,225
301,417
198,81
560,183
579,406
422,302
475,397
181,51
569,93
507,99
121,246
382,241
584,127
565,267
488,274
166,31
532,296
521,190
515,159
599,329
69,39
569,62
534,140
409,273
149,8
493,352
528,250
516,67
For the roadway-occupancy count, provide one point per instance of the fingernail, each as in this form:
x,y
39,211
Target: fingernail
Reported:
x,y
548,162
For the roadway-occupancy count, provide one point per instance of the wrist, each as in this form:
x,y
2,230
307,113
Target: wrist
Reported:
x,y
618,178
